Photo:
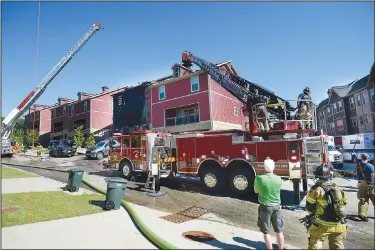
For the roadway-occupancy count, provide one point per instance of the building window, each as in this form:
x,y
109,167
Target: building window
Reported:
x,y
367,119
358,100
340,106
78,123
360,119
354,122
162,92
119,100
85,104
364,97
235,111
372,94
351,102
53,113
194,82
58,127
72,110
180,116
64,110
332,127
328,110
176,72
334,108
37,115
340,125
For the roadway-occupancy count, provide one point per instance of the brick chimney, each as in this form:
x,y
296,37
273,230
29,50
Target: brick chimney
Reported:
x,y
105,89
179,70
82,96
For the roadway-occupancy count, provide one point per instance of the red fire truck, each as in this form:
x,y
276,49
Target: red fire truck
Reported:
x,y
230,158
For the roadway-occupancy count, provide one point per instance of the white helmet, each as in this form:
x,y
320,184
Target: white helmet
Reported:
x,y
269,165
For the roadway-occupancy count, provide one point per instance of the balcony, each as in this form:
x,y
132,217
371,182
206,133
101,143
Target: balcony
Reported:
x,y
182,120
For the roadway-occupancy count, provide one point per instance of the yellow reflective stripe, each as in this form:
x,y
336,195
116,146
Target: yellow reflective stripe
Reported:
x,y
327,224
311,200
169,159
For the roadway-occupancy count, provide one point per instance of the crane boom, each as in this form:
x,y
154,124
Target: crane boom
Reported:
x,y
10,120
237,86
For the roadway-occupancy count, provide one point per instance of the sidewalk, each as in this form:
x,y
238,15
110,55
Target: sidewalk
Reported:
x,y
227,235
110,229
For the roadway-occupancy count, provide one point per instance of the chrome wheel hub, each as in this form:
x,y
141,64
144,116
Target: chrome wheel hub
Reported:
x,y
126,170
210,180
240,182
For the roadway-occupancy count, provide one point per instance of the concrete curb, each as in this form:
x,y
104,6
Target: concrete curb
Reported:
x,y
151,235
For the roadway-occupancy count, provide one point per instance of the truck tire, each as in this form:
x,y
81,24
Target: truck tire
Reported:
x,y
126,170
212,178
241,181
99,155
354,159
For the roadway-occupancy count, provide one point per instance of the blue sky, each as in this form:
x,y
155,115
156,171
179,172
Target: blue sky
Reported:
x,y
283,46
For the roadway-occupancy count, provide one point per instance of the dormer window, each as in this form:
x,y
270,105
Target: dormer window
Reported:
x,y
176,72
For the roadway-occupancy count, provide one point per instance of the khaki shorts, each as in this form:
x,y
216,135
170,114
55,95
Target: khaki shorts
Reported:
x,y
270,215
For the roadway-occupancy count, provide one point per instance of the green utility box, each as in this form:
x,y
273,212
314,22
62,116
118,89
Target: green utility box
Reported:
x,y
75,179
115,192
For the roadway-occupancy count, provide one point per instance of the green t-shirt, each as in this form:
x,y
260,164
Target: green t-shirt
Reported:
x,y
268,186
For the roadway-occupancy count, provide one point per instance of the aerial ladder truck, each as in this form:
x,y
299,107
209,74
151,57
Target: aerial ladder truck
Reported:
x,y
10,120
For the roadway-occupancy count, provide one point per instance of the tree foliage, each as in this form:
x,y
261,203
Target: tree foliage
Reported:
x,y
31,136
79,136
90,141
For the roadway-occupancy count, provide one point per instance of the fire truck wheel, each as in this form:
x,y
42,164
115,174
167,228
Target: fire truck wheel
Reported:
x,y
212,178
241,181
126,170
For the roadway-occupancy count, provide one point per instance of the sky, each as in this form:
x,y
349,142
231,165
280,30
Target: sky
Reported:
x,y
282,46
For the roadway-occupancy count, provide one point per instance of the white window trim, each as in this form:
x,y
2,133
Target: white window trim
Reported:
x,y
334,108
360,100
351,103
235,111
191,84
162,87
366,121
363,120
364,97
372,94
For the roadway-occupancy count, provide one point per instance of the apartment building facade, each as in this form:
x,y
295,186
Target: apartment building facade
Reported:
x,y
349,109
191,101
92,111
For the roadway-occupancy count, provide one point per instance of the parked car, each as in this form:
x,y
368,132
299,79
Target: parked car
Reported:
x,y
51,144
62,148
99,151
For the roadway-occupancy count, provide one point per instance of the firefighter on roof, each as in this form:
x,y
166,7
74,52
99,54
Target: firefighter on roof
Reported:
x,y
325,204
261,111
304,112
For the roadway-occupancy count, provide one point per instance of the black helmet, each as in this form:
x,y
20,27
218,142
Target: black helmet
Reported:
x,y
323,172
306,90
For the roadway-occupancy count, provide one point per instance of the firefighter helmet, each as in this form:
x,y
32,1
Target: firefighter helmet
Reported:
x,y
306,91
322,172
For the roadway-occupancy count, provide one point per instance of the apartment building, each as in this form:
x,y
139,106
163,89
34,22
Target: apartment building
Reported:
x,y
92,111
349,109
191,101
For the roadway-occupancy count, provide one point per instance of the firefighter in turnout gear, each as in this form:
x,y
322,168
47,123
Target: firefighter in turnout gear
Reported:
x,y
325,204
261,111
304,112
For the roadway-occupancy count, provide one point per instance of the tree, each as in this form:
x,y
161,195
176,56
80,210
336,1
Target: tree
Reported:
x,y
18,136
32,136
90,141
79,136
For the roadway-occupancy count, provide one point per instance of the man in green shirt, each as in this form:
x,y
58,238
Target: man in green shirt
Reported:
x,y
268,186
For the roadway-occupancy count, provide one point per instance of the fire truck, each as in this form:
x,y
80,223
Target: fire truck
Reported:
x,y
10,120
229,158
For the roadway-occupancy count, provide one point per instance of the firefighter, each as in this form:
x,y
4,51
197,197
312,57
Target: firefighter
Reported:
x,y
262,114
365,173
39,149
304,112
325,204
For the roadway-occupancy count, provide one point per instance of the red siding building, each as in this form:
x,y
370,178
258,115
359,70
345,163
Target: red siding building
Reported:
x,y
192,101
39,118
93,112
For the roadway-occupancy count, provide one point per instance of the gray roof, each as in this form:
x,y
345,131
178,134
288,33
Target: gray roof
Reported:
x,y
342,91
322,104
360,84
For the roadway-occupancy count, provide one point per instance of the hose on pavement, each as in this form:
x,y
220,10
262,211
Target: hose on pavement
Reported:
x,y
151,235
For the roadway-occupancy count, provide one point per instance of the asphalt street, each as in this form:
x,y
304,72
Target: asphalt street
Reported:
x,y
185,193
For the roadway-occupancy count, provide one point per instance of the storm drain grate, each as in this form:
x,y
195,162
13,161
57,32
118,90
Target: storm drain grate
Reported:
x,y
198,236
188,214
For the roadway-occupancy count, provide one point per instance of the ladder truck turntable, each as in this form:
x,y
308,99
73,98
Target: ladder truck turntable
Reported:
x,y
228,157
10,120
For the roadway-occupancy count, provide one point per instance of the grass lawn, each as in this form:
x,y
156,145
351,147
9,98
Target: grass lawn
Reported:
x,y
26,208
10,173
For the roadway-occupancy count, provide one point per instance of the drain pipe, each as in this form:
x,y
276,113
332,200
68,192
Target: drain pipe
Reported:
x,y
151,235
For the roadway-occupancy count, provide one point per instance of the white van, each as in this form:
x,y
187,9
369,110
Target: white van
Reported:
x,y
355,145
335,157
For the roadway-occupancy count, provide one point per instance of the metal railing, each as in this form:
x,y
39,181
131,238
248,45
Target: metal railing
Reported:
x,y
310,123
182,120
